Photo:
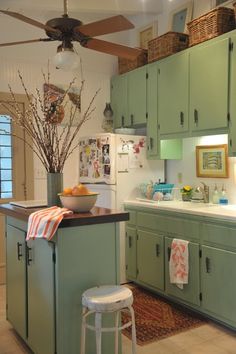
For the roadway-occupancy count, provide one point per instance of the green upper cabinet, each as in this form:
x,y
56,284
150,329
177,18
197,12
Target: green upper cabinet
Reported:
x,y
209,82
119,101
153,146
232,102
173,91
137,92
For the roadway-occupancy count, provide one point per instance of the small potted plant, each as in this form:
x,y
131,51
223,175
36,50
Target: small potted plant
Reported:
x,y
186,192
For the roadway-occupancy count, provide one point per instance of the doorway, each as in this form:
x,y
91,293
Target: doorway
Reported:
x,y
16,166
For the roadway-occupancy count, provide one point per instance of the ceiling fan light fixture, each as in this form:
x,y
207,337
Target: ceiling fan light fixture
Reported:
x,y
66,59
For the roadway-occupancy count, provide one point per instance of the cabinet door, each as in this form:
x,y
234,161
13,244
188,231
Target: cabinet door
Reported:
x,y
209,80
173,93
16,280
232,102
150,259
119,101
41,306
217,282
130,253
191,291
137,96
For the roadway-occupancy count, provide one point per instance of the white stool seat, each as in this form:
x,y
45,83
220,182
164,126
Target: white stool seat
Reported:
x,y
103,299
107,298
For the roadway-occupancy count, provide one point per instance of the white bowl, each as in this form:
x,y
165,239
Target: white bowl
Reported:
x,y
79,203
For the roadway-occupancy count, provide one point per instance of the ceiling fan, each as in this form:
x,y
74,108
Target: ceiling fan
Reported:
x,y
66,30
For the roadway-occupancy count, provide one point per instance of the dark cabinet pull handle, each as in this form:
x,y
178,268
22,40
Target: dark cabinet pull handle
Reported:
x,y
181,115
151,143
19,251
195,116
130,241
157,250
29,258
168,252
230,142
132,119
122,121
208,265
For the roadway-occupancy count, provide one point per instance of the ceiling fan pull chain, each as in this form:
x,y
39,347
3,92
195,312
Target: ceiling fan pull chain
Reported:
x,y
65,8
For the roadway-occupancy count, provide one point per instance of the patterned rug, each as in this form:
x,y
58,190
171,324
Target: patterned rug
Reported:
x,y
156,318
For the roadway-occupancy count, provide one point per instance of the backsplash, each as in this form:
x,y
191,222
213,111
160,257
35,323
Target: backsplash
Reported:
x,y
183,172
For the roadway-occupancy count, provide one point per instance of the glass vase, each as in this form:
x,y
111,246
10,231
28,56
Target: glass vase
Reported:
x,y
54,186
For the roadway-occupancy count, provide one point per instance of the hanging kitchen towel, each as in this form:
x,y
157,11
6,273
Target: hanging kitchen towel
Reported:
x,y
178,264
44,223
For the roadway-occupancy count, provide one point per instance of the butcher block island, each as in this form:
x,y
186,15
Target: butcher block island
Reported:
x,y
45,279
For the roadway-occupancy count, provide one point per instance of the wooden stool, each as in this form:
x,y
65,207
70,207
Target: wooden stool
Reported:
x,y
107,299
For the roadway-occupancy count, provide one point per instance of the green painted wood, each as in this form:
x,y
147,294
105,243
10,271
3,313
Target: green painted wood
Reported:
x,y
150,259
119,101
41,297
132,217
209,80
137,92
16,280
232,103
217,282
173,91
218,235
131,253
190,292
87,256
153,142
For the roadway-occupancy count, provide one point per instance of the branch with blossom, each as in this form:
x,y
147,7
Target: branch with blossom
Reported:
x,y
52,143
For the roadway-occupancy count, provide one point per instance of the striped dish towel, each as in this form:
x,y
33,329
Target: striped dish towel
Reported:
x,y
44,223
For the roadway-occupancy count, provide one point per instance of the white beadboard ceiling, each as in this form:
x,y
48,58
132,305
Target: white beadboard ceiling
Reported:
x,y
134,7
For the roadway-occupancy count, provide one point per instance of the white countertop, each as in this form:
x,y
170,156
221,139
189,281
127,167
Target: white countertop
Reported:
x,y
202,209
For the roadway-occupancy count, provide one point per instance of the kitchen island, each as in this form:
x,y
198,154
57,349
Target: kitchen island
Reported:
x,y
45,280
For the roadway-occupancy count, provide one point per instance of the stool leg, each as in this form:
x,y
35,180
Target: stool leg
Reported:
x,y
117,332
133,330
98,327
83,332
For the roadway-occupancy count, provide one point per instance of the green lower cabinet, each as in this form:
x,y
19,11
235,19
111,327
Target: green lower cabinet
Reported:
x,y
191,291
218,283
150,259
130,253
16,280
41,304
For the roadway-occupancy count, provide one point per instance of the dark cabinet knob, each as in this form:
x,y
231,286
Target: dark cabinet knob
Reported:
x,y
196,116
19,251
181,116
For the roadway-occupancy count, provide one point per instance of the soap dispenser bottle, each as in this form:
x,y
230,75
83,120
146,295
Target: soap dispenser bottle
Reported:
x,y
223,198
215,196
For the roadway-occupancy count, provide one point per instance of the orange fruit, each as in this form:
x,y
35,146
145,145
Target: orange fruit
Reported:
x,y
67,191
80,189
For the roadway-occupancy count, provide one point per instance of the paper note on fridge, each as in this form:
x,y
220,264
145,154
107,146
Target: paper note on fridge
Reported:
x,y
123,162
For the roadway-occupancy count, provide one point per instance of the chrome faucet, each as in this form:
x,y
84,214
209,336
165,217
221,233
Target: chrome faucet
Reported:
x,y
205,192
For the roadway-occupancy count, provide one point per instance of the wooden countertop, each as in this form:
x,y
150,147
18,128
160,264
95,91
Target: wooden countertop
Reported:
x,y
96,215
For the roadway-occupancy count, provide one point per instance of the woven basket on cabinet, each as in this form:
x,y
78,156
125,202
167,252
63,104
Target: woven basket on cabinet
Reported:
x,y
210,25
167,44
125,65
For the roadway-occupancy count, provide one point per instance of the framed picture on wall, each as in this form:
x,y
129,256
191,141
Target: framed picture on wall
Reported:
x,y
215,3
147,33
212,161
179,18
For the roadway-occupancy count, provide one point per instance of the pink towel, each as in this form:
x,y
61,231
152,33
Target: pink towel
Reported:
x,y
178,264
44,223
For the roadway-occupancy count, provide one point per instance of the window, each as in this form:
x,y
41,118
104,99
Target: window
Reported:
x,y
6,185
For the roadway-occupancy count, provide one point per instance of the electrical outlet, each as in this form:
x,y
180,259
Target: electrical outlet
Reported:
x,y
180,177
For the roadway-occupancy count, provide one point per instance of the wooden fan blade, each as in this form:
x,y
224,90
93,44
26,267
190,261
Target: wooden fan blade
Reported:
x,y
112,48
108,25
25,42
29,21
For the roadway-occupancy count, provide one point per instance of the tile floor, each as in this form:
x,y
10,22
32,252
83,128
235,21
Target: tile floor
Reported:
x,y
207,339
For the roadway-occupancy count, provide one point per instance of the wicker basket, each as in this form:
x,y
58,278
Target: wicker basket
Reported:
x,y
167,44
210,25
128,65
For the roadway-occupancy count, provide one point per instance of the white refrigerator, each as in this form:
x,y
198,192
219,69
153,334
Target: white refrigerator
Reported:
x,y
115,165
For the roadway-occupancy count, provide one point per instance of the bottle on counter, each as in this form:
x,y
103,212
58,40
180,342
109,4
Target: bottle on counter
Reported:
x,y
223,197
215,195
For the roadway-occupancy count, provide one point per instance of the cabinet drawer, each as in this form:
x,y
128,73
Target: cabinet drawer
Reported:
x,y
152,221
219,235
185,228
132,217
